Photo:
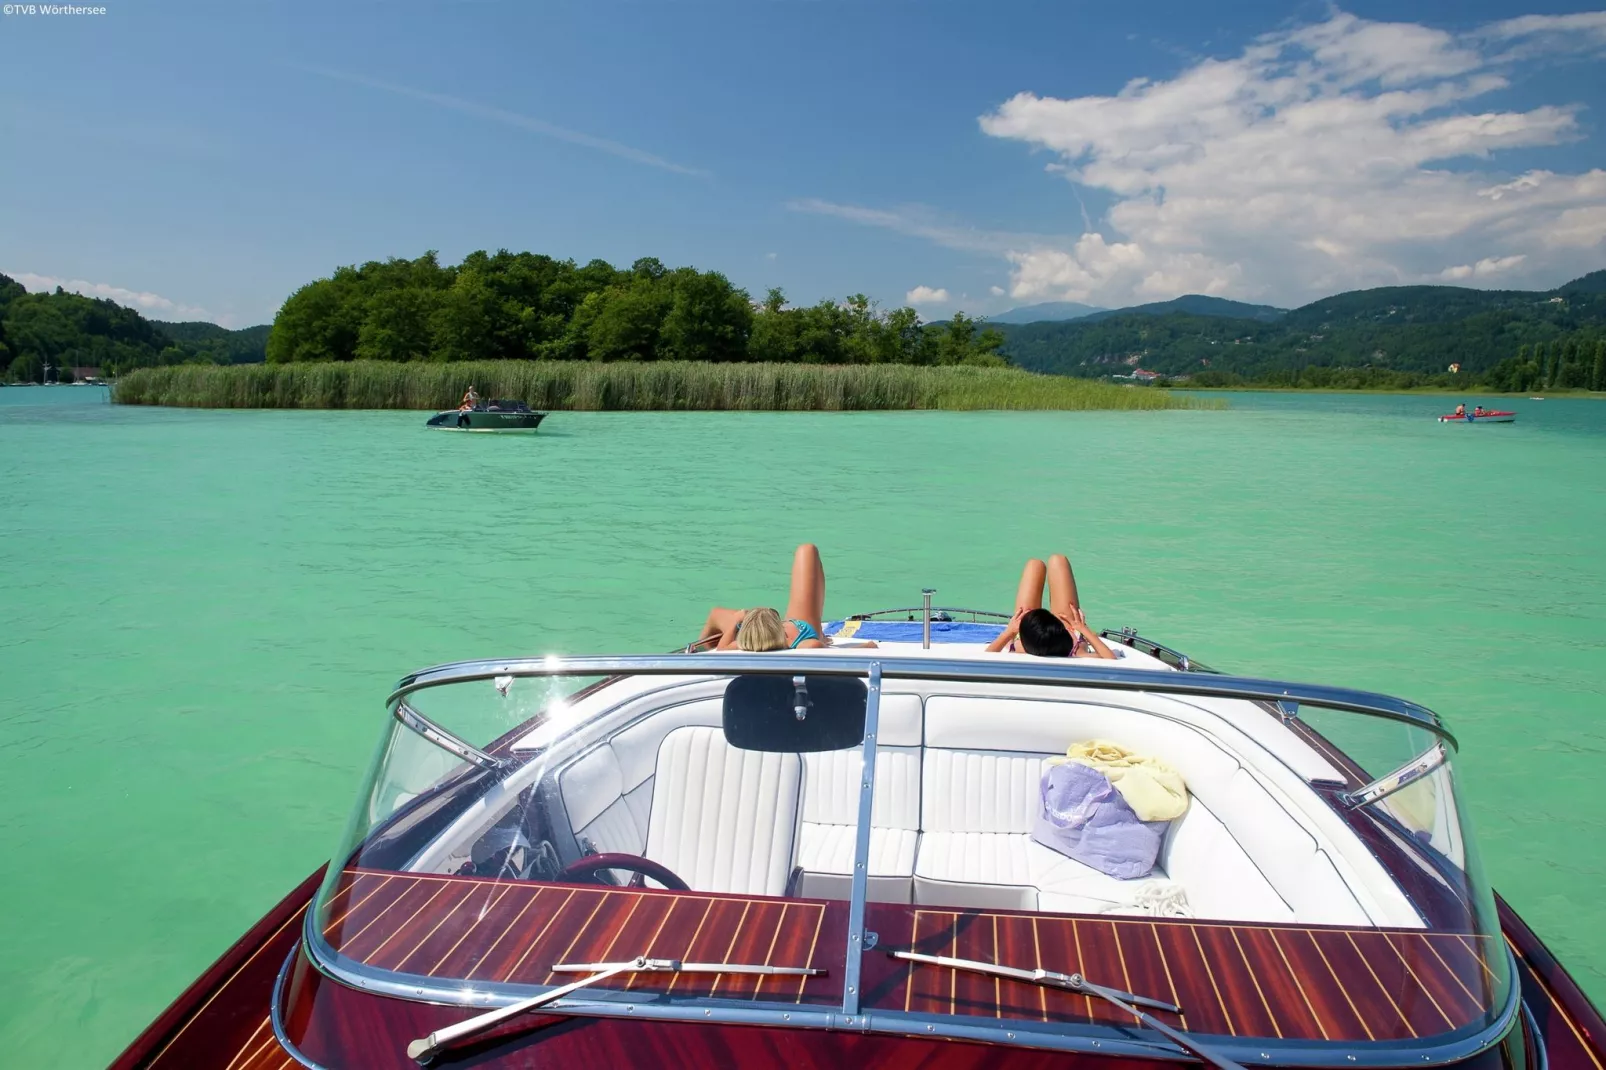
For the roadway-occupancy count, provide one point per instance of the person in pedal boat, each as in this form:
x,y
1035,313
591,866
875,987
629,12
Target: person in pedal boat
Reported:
x,y
1461,410
762,628
1057,632
1478,411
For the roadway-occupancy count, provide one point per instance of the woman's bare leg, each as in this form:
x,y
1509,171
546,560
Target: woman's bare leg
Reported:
x,y
807,598
1062,597
721,622
1029,595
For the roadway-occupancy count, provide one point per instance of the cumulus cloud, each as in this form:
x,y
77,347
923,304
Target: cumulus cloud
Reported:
x,y
996,291
152,303
1324,157
925,295
1343,154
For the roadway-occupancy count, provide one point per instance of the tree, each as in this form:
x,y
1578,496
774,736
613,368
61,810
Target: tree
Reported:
x,y
708,318
1598,379
627,323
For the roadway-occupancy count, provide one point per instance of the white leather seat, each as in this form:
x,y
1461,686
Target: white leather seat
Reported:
x,y
831,810
723,819
981,773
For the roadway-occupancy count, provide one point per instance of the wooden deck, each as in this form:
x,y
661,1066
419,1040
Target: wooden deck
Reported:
x,y
1288,982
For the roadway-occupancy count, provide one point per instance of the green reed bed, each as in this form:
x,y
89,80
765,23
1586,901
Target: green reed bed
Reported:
x,y
579,385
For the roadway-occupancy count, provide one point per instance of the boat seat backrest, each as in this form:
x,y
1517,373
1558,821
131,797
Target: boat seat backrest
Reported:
x,y
607,792
724,819
983,764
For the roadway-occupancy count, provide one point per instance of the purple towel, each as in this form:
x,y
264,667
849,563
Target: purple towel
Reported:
x,y
1085,818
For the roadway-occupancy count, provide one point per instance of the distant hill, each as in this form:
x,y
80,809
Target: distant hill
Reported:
x,y
1199,305
1399,328
248,345
1045,312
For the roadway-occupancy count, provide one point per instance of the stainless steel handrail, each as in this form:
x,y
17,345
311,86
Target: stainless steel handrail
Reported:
x,y
910,612
1081,672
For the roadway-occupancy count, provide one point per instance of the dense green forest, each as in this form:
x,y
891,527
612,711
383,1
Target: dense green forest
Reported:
x,y
1387,335
66,330
524,306
219,345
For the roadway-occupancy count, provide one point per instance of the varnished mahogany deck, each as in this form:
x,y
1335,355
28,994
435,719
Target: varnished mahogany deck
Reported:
x,y
1291,982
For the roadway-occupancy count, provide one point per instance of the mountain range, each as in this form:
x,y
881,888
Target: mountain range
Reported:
x,y
1400,328
1195,304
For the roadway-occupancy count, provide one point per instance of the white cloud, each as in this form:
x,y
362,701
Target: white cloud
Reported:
x,y
996,291
1483,268
1326,157
925,295
154,304
514,119
770,256
1313,162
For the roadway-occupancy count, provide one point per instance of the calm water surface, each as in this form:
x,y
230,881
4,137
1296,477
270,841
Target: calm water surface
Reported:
x,y
203,612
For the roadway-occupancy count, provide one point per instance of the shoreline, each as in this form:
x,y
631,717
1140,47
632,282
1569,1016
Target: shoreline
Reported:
x,y
634,386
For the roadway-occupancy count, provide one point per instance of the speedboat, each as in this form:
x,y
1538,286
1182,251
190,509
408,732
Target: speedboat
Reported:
x,y
1479,417
835,857
497,415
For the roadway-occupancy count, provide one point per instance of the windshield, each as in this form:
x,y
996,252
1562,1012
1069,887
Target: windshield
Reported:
x,y
1186,848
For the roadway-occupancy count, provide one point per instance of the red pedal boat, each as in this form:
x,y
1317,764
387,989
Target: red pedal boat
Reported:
x,y
1479,418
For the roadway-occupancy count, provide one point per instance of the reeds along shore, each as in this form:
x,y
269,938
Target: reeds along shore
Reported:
x,y
625,386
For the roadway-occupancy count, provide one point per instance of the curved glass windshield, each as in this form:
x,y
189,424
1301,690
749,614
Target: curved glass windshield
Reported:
x,y
1278,875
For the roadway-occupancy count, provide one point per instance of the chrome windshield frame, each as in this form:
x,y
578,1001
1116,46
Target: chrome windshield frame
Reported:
x,y
848,1015
857,662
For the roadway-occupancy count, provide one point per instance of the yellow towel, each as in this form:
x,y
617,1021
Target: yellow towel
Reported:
x,y
1154,790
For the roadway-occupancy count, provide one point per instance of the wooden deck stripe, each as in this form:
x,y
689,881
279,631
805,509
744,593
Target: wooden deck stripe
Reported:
x,y
336,921
1470,946
371,956
1037,964
1081,965
1419,982
1225,1011
1343,989
607,953
1255,977
354,937
551,921
1299,985
953,975
914,942
653,939
730,947
510,926
1126,976
260,1048
1182,1015
775,938
584,925
249,1042
998,982
401,965
292,919
1589,1049
489,906
695,934
1381,987
819,920
1453,974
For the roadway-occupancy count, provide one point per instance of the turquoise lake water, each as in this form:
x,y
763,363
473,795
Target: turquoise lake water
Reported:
x,y
203,612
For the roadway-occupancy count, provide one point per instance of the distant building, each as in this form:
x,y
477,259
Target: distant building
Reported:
x,y
1455,369
1143,376
81,374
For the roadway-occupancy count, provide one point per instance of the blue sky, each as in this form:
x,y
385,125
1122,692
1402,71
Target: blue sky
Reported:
x,y
201,161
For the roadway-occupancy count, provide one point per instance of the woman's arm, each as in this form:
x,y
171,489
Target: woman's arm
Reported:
x,y
1077,623
1006,636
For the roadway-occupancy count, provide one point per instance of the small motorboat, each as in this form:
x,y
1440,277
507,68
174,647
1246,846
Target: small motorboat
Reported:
x,y
496,415
837,857
1490,417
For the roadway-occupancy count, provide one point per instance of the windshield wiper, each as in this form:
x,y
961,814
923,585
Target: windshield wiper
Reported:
x,y
426,1048
1075,982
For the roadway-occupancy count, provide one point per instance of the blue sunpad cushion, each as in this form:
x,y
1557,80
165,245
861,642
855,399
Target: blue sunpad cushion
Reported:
x,y
908,631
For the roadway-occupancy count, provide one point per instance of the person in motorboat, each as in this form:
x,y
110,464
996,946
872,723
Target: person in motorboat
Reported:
x,y
762,628
1061,631
471,398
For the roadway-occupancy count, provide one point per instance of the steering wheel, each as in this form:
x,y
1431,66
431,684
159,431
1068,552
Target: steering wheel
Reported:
x,y
589,866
